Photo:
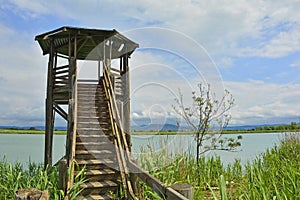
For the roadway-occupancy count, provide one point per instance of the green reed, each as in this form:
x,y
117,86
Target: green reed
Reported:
x,y
14,177
272,175
276,173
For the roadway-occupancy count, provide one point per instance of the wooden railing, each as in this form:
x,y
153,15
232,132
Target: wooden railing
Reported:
x,y
61,86
117,81
127,166
61,76
121,145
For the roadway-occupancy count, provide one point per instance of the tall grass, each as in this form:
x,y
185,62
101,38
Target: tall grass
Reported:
x,y
14,177
276,174
272,175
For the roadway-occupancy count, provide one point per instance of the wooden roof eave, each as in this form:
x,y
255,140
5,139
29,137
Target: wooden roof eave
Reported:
x,y
61,38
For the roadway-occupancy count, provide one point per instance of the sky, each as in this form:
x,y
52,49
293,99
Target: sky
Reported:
x,y
251,48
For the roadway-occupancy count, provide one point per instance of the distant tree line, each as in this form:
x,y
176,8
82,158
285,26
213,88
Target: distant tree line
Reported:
x,y
293,126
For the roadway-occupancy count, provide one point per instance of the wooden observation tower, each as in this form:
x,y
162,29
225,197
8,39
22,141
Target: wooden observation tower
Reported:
x,y
98,111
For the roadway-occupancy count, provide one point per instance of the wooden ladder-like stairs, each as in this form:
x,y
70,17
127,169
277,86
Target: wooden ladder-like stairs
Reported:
x,y
95,148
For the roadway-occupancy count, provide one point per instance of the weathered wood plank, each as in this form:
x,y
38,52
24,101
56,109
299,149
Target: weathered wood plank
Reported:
x,y
163,191
61,67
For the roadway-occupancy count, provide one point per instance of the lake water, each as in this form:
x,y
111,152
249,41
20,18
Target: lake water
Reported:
x,y
252,145
25,148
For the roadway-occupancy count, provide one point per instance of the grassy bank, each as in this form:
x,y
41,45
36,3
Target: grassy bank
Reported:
x,y
272,175
16,176
29,131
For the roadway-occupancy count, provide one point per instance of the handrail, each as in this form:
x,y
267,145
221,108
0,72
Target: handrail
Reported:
x,y
113,110
127,161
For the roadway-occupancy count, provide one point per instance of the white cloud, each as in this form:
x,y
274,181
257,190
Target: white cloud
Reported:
x,y
23,73
224,29
258,102
257,28
26,8
283,44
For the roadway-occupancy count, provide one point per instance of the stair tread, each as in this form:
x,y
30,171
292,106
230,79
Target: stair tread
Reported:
x,y
92,136
93,152
94,197
94,161
91,129
99,171
91,122
99,184
94,143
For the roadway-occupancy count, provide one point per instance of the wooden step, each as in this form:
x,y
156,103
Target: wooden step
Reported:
x,y
93,154
99,187
98,152
86,131
92,113
92,138
96,197
98,105
92,128
101,174
94,145
95,105
103,163
92,119
99,129
101,126
99,184
90,94
95,162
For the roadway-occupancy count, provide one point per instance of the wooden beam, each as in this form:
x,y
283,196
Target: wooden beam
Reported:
x,y
49,111
72,117
158,187
60,111
126,99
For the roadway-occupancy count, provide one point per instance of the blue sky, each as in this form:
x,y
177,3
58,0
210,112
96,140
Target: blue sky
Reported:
x,y
251,48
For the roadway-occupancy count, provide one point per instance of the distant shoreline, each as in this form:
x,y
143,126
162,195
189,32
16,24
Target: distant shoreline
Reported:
x,y
29,132
63,132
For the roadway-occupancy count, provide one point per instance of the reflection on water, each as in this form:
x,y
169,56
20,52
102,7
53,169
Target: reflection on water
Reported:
x,y
25,148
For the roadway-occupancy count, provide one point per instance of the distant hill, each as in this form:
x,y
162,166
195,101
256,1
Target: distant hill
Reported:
x,y
155,127
250,127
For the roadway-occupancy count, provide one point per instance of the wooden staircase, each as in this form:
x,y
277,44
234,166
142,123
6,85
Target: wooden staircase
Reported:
x,y
95,145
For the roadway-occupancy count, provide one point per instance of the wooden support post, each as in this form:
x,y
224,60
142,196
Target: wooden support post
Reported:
x,y
62,174
72,116
126,99
49,111
72,110
72,101
185,189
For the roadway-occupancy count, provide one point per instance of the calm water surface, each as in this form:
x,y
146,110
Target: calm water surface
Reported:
x,y
25,148
252,145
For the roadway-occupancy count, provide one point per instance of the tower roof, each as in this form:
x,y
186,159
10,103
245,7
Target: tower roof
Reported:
x,y
92,44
